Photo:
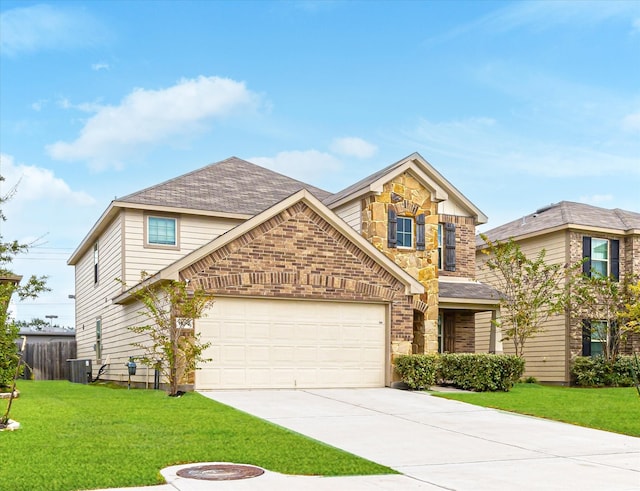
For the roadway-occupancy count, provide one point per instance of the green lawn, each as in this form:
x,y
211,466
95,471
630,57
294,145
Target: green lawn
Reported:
x,y
76,436
610,409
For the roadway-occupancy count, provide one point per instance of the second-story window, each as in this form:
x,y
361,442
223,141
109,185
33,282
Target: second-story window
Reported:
x,y
161,231
602,257
95,263
405,232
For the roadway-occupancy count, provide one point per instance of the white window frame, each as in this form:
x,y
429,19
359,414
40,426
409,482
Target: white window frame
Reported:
x,y
404,234
607,261
160,245
96,263
596,336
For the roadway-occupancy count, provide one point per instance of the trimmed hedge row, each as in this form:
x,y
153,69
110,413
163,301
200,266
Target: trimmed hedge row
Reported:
x,y
468,371
596,372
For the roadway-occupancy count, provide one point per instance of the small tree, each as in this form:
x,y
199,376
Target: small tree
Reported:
x,y
10,367
173,346
631,311
612,303
11,284
531,290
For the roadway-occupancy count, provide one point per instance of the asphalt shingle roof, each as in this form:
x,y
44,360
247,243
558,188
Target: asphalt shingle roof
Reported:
x,y
232,186
360,185
565,213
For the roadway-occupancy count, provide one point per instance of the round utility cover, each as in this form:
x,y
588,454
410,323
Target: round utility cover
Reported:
x,y
220,472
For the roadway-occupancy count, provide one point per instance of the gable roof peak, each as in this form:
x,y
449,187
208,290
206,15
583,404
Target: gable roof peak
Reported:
x,y
433,180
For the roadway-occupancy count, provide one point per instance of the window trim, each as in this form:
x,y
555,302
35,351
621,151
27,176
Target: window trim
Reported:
x,y
595,241
96,262
613,256
594,336
404,234
151,245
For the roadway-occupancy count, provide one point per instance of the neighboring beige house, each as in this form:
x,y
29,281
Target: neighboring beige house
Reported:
x,y
312,289
569,232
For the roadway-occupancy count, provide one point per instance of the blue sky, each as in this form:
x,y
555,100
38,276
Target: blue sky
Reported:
x,y
518,104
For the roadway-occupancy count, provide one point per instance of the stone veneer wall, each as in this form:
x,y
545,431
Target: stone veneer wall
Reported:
x,y
465,246
632,256
632,267
297,254
409,198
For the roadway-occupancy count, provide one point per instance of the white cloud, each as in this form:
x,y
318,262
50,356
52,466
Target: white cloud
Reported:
x,y
37,184
545,15
43,27
100,66
353,147
307,166
146,117
38,105
484,144
631,123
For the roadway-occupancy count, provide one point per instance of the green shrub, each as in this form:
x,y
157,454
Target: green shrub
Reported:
x,y
481,372
418,371
597,372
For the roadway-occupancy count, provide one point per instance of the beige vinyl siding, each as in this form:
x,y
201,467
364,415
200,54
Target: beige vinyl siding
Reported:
x,y
194,232
119,261
546,353
94,300
351,213
452,207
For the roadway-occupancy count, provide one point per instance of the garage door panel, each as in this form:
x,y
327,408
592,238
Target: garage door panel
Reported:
x,y
292,344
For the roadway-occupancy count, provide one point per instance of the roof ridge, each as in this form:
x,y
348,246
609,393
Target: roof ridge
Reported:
x,y
565,212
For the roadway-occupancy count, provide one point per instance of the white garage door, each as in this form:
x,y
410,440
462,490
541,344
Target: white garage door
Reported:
x,y
292,344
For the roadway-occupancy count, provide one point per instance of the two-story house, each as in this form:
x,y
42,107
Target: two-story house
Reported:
x,y
311,289
608,241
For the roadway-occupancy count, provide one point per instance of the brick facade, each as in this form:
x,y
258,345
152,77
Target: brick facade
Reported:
x,y
297,254
465,336
629,266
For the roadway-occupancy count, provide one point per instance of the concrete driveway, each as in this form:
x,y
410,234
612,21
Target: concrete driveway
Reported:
x,y
441,444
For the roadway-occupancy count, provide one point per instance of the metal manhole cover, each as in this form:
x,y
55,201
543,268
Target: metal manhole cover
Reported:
x,y
220,472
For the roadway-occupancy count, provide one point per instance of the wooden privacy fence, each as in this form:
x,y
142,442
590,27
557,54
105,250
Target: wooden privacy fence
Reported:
x,y
48,360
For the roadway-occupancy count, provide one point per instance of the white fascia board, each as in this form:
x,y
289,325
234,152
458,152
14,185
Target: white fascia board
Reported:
x,y
444,183
474,304
183,211
95,232
438,193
